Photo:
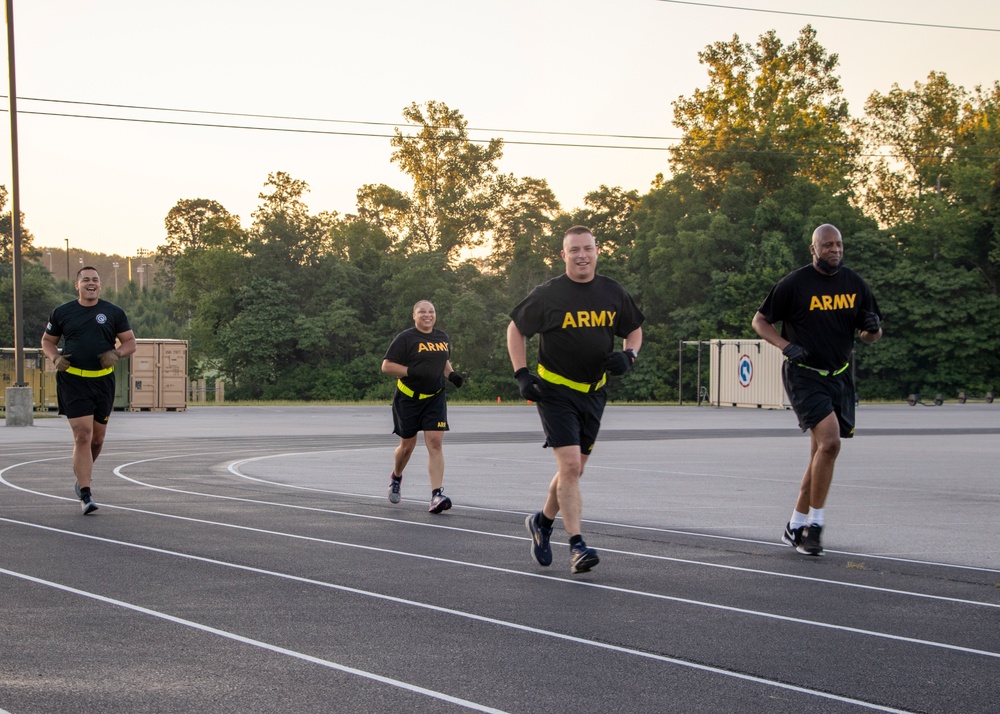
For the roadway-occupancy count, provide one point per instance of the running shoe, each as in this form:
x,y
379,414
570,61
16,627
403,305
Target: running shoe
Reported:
x,y
582,558
439,502
394,484
76,487
792,536
541,551
87,505
810,543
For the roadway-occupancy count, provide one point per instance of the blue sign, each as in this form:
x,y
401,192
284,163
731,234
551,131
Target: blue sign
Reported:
x,y
745,370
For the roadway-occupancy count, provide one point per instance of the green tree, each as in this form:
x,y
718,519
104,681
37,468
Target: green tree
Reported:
x,y
523,242
193,224
255,344
38,295
775,109
456,186
283,221
28,251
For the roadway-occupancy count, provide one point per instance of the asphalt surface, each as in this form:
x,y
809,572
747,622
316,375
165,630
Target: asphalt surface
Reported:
x,y
247,559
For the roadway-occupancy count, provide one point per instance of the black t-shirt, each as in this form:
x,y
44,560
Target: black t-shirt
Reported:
x,y
577,323
87,331
820,312
426,351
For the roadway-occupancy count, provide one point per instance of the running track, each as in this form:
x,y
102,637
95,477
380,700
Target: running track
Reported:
x,y
247,560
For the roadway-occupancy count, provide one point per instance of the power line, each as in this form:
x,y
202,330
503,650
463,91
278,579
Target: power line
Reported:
x,y
831,17
327,132
701,150
333,121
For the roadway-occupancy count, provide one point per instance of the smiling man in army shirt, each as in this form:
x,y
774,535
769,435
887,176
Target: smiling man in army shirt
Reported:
x,y
85,379
820,307
420,359
577,317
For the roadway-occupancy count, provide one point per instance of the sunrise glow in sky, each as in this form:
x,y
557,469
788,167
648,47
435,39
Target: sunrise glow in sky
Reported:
x,y
588,66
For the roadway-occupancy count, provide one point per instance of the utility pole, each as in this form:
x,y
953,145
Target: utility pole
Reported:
x,y
20,397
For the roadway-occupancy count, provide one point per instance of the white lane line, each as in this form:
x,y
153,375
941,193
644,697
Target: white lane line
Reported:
x,y
257,643
435,608
233,468
576,583
652,529
650,556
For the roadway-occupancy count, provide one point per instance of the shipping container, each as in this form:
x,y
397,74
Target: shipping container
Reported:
x,y
39,374
158,375
746,373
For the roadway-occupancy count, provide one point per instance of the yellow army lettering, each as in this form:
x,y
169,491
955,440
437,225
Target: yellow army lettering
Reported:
x,y
604,318
442,425
432,347
832,302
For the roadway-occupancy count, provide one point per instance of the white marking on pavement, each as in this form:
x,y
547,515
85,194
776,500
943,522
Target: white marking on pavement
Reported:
x,y
256,643
414,603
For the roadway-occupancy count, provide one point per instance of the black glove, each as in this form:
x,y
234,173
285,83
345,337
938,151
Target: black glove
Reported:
x,y
530,384
618,363
795,353
456,379
872,323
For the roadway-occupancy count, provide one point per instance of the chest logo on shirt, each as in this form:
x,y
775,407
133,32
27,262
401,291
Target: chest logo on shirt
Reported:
x,y
833,302
102,318
432,347
592,318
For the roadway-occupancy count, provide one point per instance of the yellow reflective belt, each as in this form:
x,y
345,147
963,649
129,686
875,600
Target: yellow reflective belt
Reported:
x,y
90,372
826,372
585,387
410,393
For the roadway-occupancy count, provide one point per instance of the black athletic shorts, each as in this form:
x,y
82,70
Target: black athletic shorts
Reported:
x,y
411,415
814,397
571,418
86,396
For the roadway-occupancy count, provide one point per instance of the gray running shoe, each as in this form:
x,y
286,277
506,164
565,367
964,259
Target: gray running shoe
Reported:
x,y
439,502
394,485
87,505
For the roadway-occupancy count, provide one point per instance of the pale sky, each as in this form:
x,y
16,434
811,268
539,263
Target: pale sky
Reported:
x,y
590,66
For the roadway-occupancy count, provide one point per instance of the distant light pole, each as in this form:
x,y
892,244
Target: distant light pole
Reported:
x,y
115,266
67,258
48,252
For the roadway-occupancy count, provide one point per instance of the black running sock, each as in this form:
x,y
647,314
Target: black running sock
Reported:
x,y
436,492
84,492
576,539
544,521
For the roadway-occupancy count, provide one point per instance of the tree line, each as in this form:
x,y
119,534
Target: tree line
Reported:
x,y
302,305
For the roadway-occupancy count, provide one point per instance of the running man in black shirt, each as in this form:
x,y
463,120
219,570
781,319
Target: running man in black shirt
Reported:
x,y
85,379
420,360
820,307
577,317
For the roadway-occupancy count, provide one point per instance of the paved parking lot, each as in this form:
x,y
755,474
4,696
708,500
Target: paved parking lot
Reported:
x,y
246,559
